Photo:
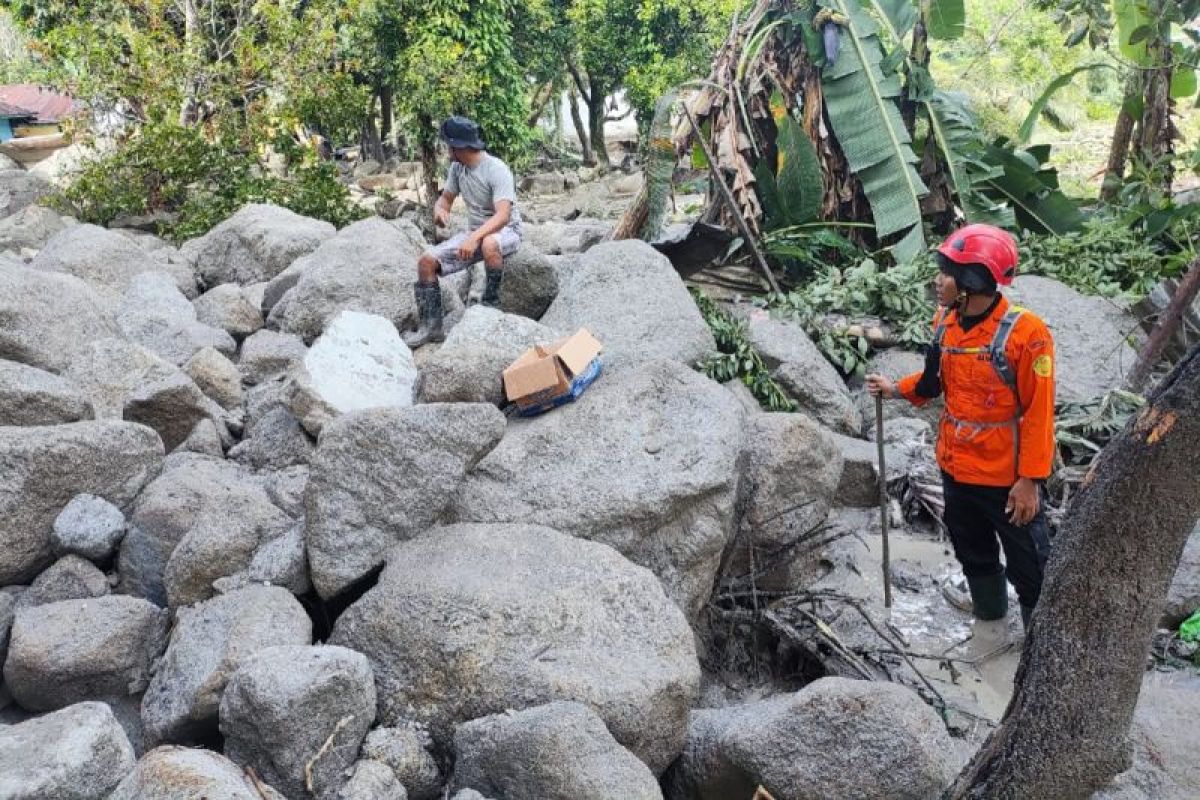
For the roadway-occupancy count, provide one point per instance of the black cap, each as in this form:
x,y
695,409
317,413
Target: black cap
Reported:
x,y
462,132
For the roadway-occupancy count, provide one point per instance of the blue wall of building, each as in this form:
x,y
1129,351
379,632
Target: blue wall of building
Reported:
x,y
5,130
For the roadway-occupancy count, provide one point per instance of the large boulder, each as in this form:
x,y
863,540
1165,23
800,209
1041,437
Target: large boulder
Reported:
x,y
30,228
405,750
255,244
631,298
1091,349
896,364
273,441
646,461
371,780
790,473
369,266
217,377
359,362
268,354
227,308
834,738
155,314
46,317
69,578
202,519
804,374
472,620
383,475
19,189
1183,599
209,643
43,468
558,238
30,396
183,773
530,283
559,751
103,258
76,650
298,715
78,753
468,367
88,526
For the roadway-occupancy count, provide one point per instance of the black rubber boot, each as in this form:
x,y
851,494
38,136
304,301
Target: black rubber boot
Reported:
x,y
491,290
1026,615
989,596
429,307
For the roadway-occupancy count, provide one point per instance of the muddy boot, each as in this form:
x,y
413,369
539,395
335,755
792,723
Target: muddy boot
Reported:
x,y
989,596
491,292
429,307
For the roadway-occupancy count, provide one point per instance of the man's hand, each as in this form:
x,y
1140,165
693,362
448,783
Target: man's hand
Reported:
x,y
468,249
880,386
441,215
1023,502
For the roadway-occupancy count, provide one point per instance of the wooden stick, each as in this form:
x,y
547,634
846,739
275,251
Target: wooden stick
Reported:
x,y
1168,324
883,503
732,203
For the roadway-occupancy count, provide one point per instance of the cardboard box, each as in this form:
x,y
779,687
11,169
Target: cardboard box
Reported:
x,y
545,377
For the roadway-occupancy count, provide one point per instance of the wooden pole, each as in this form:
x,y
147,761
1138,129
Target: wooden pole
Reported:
x,y
883,503
727,195
1168,324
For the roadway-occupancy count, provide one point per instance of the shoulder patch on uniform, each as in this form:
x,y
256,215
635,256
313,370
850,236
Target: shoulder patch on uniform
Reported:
x,y
1043,365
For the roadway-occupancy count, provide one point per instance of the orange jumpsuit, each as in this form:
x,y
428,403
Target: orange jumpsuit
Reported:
x,y
975,443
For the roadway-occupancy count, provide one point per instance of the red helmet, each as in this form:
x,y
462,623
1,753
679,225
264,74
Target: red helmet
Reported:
x,y
988,245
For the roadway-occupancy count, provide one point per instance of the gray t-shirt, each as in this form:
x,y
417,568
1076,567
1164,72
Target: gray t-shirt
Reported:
x,y
481,187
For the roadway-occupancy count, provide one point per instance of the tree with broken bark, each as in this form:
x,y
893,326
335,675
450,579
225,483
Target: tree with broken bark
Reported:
x,y
1064,734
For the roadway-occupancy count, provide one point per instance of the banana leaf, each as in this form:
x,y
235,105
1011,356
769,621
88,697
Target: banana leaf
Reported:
x,y
1039,106
945,19
1030,188
861,103
799,175
955,132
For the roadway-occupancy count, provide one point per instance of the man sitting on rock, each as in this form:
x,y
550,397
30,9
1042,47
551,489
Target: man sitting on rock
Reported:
x,y
494,225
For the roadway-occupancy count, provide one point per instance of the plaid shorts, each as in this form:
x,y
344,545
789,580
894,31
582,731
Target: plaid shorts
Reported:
x,y
446,253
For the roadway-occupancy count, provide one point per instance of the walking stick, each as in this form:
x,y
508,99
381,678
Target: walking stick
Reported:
x,y
883,503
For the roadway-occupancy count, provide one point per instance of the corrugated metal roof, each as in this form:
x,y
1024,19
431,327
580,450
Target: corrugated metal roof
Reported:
x,y
48,105
9,111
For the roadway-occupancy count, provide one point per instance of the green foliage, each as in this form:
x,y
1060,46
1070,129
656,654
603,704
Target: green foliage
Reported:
x,y
898,296
1041,104
170,168
736,358
1083,429
1030,187
805,250
791,192
947,19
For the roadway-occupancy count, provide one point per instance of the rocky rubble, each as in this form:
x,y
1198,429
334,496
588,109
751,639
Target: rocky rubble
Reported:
x,y
256,548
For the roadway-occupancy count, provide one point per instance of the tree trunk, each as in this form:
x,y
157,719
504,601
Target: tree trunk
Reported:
x,y
1064,734
1118,151
1167,327
597,112
369,144
919,56
428,148
190,108
585,141
385,119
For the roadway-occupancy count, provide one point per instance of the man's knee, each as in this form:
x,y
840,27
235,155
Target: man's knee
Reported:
x,y
427,268
492,255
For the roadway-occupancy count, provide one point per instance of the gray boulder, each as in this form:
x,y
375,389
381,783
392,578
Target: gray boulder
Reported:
x,y
30,396
269,354
69,578
283,561
559,238
89,526
804,374
19,189
631,298
103,258
834,738
530,283
216,376
359,362
43,468
369,266
183,773
227,308
859,486
46,317
297,716
30,228
468,367
155,314
405,750
8,608
78,753
370,780
646,461
790,472
274,441
211,508
255,244
76,650
209,643
514,616
1183,599
896,364
559,751
380,476
1092,353
469,794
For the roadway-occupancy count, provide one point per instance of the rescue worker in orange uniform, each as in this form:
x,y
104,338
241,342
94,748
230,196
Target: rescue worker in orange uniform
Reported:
x,y
994,363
